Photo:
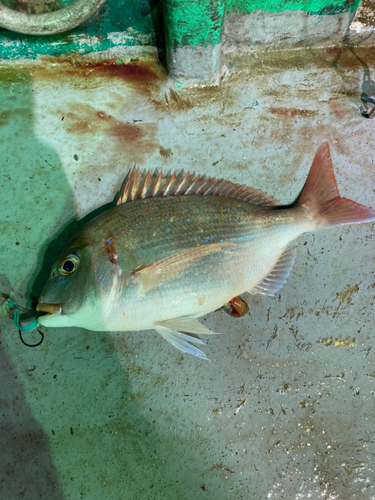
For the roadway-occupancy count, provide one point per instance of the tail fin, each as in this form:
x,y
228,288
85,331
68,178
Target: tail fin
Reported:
x,y
321,195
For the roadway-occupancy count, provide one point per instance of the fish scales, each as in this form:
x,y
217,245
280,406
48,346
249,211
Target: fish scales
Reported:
x,y
221,276
160,262
175,224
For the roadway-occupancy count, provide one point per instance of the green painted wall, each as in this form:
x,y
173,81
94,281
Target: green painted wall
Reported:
x,y
312,6
140,22
193,23
131,19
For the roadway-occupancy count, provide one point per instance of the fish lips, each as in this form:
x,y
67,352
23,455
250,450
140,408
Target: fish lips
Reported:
x,y
52,316
49,308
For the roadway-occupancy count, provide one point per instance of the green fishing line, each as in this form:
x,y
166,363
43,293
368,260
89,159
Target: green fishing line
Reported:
x,y
16,318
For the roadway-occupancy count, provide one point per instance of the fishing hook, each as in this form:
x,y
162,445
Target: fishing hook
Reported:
x,y
32,345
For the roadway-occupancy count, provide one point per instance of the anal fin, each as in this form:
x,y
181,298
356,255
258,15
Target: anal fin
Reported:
x,y
277,277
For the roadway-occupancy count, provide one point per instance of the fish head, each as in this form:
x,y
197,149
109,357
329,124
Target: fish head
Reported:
x,y
71,296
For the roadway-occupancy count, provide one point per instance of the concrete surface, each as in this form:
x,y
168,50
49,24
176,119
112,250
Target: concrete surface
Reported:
x,y
285,409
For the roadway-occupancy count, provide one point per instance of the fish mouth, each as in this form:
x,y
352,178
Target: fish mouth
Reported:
x,y
49,308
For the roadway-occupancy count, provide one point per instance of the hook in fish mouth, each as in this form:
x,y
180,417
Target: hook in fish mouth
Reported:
x,y
49,308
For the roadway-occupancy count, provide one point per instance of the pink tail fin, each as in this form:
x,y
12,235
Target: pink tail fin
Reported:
x,y
321,195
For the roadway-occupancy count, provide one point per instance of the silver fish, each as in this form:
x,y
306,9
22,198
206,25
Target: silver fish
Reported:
x,y
176,248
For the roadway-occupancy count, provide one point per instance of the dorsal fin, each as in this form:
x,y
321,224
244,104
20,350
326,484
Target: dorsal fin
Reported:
x,y
277,277
146,185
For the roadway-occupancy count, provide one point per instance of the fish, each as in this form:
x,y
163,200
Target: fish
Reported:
x,y
177,247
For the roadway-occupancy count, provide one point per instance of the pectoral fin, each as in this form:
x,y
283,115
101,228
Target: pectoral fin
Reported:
x,y
165,269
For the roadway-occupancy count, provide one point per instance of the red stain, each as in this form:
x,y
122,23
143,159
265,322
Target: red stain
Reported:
x,y
87,347
339,111
203,488
85,120
112,135
111,251
132,72
126,131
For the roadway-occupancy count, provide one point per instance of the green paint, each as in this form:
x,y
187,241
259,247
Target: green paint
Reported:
x,y
312,6
131,19
139,22
193,23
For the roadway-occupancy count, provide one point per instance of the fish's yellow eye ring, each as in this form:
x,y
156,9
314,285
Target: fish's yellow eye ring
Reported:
x,y
69,265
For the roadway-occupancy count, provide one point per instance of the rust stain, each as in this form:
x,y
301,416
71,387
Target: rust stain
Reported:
x,y
114,137
335,51
221,467
165,152
88,67
337,342
173,100
341,58
200,98
134,72
274,335
291,112
87,120
290,313
345,296
202,300
127,131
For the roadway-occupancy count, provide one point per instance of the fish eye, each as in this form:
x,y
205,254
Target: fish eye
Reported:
x,y
69,265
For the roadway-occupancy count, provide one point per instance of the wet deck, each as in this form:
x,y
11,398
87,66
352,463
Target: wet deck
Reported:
x,y
285,408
